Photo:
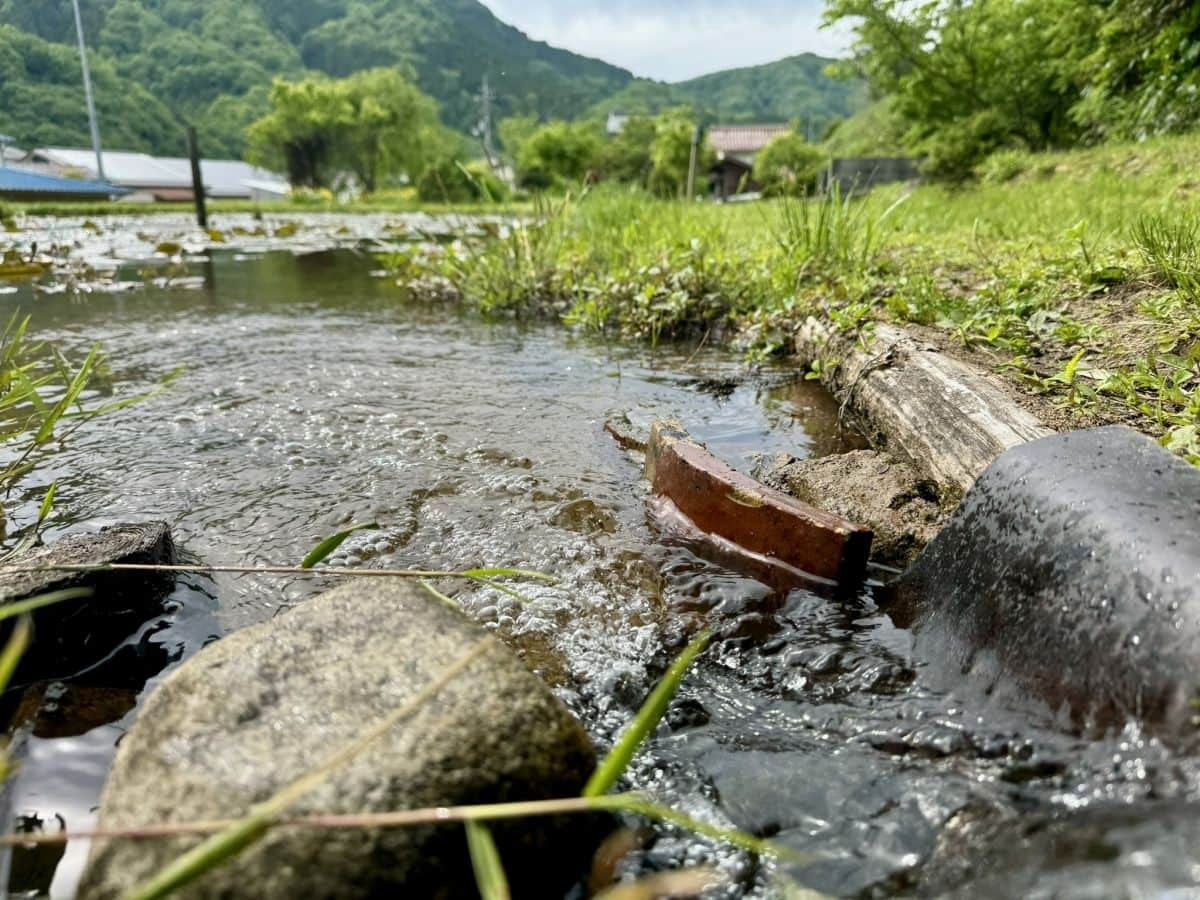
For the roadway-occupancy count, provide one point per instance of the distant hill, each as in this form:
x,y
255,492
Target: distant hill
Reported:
x,y
211,62
795,88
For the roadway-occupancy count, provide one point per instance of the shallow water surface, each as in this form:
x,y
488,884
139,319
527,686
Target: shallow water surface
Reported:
x,y
311,395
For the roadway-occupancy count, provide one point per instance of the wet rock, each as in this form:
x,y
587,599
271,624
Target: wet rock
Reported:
x,y
258,709
903,509
77,632
721,501
1106,852
147,543
1071,573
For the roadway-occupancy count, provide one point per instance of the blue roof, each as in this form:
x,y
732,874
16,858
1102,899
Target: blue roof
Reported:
x,y
20,181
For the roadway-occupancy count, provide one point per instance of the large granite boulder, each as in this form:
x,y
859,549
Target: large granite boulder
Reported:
x,y
1071,573
254,711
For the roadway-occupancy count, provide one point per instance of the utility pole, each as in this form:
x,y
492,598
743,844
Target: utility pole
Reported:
x,y
484,129
87,91
691,182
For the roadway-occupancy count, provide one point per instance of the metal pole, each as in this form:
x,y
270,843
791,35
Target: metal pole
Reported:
x,y
691,182
87,91
197,178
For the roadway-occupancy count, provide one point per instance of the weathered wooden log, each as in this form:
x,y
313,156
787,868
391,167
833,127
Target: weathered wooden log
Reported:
x,y
722,501
943,416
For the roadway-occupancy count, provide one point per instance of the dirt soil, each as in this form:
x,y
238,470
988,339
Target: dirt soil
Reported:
x,y
904,510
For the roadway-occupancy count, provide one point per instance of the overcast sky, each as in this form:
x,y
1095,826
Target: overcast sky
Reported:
x,y
673,40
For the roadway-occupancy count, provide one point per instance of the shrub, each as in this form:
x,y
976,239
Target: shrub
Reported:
x,y
789,166
1003,166
449,181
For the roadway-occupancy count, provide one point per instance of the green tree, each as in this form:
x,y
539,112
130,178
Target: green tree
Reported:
x,y
559,153
387,126
671,153
626,156
515,131
971,77
299,134
789,166
374,124
1143,77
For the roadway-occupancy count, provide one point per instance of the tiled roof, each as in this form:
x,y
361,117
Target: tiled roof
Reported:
x,y
743,138
20,181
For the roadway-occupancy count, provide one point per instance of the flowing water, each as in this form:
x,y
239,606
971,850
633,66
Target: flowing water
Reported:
x,y
313,395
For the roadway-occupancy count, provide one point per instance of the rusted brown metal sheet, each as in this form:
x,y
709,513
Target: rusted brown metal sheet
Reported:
x,y
722,501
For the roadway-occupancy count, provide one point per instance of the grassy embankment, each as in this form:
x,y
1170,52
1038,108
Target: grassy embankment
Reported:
x,y
1076,276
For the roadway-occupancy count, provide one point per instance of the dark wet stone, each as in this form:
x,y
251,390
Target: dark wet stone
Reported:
x,y
1146,849
254,711
1071,573
78,632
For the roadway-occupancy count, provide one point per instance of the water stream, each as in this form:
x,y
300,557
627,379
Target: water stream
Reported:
x,y
312,395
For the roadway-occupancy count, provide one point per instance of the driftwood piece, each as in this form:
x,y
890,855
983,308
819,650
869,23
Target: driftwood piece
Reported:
x,y
943,416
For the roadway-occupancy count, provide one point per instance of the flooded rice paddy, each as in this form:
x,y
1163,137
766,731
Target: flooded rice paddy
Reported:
x,y
311,394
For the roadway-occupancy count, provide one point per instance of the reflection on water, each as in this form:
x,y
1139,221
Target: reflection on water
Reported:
x,y
312,396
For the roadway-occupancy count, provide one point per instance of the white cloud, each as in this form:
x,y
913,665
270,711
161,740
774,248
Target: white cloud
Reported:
x,y
673,40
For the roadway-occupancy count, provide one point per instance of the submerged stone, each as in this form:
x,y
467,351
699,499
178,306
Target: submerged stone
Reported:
x,y
256,710
1071,573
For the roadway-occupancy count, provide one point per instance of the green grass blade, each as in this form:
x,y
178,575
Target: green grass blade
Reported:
x,y
47,506
210,854
21,607
485,860
74,389
11,655
327,546
617,761
510,573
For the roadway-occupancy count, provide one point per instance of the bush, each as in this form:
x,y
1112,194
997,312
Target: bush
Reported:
x,y
789,166
448,181
559,153
1003,166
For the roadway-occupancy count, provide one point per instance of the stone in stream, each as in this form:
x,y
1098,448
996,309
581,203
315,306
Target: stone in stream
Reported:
x,y
258,709
76,632
1071,573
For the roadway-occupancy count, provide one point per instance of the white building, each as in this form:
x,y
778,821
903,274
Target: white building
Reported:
x,y
162,178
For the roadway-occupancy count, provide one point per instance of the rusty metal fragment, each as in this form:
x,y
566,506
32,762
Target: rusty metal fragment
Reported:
x,y
722,501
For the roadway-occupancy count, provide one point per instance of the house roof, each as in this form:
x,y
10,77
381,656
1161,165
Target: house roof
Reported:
x,y
22,181
135,170
222,177
743,138
226,177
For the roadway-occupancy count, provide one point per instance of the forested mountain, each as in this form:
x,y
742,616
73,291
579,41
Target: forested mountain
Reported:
x,y
211,62
795,88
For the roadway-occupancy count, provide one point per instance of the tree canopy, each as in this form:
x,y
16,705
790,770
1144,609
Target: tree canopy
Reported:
x,y
374,124
969,78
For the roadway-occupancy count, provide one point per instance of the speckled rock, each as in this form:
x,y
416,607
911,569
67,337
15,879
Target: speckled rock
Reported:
x,y
256,710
